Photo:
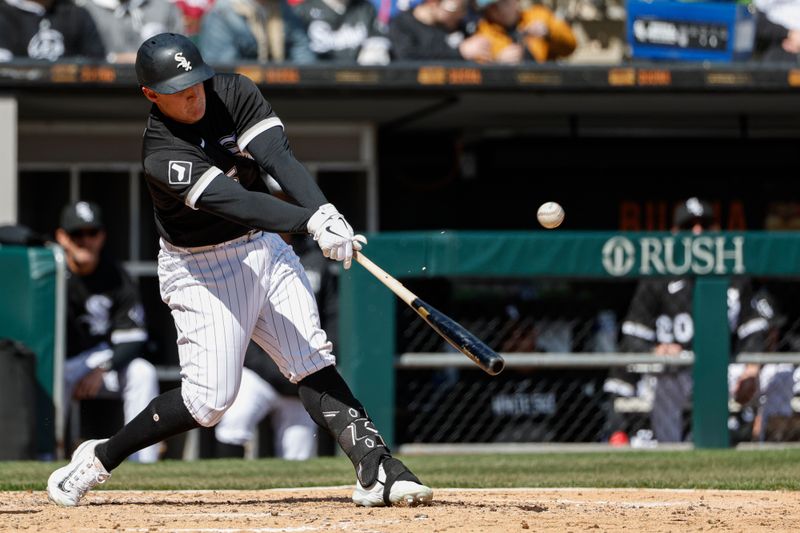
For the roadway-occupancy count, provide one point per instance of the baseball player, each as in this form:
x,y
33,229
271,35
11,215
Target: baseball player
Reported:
x,y
660,320
106,333
227,276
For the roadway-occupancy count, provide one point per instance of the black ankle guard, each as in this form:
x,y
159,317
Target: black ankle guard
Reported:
x,y
395,471
328,400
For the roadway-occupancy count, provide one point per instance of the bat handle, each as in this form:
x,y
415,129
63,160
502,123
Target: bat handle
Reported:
x,y
395,286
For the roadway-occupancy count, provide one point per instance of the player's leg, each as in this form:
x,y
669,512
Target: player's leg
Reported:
x,y
776,384
237,426
288,329
671,394
214,297
138,385
295,432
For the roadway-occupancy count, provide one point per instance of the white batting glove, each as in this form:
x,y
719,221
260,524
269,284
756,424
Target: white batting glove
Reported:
x,y
334,235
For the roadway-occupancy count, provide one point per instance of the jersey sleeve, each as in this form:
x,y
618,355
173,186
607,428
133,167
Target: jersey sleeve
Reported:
x,y
748,316
181,171
250,111
128,334
638,328
127,319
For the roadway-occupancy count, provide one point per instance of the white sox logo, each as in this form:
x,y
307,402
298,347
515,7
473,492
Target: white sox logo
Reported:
x,y
183,62
180,172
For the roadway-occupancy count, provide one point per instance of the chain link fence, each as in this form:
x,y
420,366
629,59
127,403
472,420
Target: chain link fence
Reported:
x,y
561,341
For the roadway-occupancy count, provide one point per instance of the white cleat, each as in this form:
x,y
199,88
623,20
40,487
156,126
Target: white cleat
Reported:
x,y
67,485
401,494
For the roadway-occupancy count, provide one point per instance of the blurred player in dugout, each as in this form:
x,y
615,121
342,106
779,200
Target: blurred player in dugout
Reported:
x,y
106,335
659,320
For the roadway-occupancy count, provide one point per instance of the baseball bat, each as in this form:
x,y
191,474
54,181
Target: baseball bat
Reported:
x,y
450,330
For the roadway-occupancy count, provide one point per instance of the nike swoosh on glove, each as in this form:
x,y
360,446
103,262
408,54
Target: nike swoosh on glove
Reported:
x,y
334,235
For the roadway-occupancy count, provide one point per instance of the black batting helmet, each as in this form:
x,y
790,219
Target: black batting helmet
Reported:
x,y
169,63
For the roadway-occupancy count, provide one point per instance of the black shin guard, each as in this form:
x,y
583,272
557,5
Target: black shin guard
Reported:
x,y
164,417
331,404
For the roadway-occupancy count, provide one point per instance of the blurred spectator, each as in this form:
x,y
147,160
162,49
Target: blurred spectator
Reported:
x,y
125,24
264,391
777,30
388,9
436,29
47,29
659,320
193,12
253,30
518,35
106,335
345,31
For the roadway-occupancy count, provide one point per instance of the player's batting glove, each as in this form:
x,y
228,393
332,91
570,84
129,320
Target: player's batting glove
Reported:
x,y
334,235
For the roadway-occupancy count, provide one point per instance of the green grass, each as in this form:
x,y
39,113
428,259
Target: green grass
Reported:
x,y
707,469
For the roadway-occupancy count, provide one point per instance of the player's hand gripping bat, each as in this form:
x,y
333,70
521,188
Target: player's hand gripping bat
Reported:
x,y
450,330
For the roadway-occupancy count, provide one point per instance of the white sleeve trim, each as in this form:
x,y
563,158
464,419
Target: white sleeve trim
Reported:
x,y
202,184
251,133
753,325
120,336
635,329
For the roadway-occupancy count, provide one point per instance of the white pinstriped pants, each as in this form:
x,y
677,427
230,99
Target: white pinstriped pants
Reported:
x,y
223,295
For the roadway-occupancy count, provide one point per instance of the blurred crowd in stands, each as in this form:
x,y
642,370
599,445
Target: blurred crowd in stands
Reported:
x,y
369,32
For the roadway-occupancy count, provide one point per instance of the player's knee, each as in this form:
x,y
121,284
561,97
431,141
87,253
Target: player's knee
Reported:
x,y
142,371
208,416
208,411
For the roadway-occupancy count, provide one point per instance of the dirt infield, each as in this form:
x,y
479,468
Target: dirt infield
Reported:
x,y
453,510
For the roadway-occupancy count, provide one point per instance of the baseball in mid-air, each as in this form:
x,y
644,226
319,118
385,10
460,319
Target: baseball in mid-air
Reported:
x,y
550,215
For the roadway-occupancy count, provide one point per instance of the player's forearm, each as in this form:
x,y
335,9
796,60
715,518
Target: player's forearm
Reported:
x,y
252,209
271,150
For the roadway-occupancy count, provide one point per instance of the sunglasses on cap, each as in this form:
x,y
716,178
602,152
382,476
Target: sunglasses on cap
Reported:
x,y
85,232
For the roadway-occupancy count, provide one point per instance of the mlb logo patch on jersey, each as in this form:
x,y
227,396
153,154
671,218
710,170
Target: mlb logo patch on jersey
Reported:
x,y
180,172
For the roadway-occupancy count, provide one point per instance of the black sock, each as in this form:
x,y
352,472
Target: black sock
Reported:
x,y
164,417
331,404
225,450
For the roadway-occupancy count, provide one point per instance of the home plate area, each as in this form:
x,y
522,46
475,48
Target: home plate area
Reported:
x,y
467,510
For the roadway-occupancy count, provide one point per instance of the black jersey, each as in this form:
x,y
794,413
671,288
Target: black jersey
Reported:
x,y
28,29
338,36
414,40
200,175
103,307
661,313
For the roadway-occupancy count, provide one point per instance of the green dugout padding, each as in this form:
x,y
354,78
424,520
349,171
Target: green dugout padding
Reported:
x,y
28,284
367,323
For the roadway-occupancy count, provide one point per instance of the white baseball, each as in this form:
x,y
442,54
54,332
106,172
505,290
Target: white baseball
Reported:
x,y
550,215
